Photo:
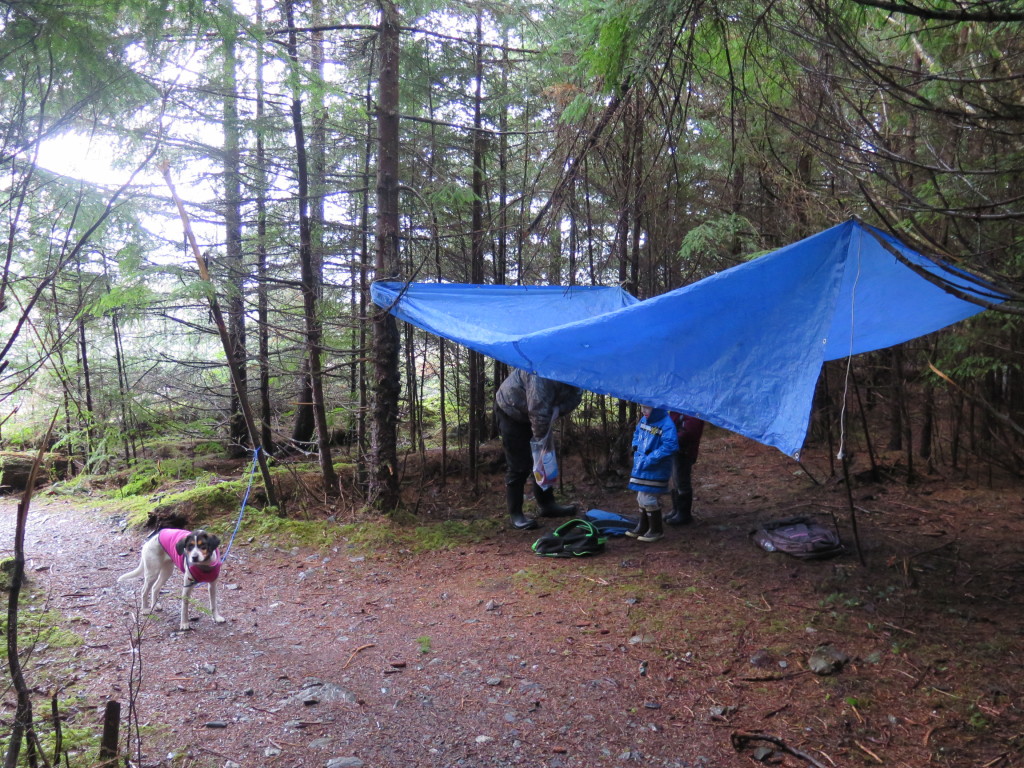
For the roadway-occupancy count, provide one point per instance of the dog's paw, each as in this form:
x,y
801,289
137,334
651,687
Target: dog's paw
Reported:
x,y
219,619
185,627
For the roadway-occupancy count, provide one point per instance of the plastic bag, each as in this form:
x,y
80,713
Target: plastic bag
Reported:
x,y
545,463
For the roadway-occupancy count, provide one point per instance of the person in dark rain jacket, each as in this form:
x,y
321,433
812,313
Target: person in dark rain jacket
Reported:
x,y
689,430
525,406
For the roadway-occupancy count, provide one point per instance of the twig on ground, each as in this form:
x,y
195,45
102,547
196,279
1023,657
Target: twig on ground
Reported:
x,y
773,678
869,752
739,740
357,650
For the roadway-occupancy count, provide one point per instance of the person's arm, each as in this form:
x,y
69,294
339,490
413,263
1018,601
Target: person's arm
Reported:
x,y
540,403
669,443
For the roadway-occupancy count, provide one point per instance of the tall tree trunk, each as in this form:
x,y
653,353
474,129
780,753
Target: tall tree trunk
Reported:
x,y
262,296
304,426
362,281
477,423
83,357
442,344
305,417
501,256
238,433
895,371
384,490
129,429
83,363
310,284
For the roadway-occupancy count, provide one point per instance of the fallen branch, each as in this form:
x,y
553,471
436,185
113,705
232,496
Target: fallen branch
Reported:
x,y
740,739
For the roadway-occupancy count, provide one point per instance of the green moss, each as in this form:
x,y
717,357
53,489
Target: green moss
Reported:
x,y
540,582
37,627
6,572
370,537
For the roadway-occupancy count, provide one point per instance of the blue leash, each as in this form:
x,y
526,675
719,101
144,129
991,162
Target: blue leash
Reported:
x,y
252,474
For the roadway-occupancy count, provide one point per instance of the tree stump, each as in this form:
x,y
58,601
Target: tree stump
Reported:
x,y
15,467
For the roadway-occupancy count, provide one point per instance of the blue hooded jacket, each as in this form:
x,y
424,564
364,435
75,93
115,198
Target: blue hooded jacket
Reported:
x,y
655,441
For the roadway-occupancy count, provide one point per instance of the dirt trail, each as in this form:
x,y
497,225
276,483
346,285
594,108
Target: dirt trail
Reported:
x,y
648,655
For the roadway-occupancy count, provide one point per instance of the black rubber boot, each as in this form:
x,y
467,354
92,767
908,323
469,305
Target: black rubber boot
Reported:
x,y
514,503
682,509
548,506
654,531
640,529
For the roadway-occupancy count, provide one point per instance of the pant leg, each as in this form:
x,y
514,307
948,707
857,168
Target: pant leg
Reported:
x,y
683,466
515,441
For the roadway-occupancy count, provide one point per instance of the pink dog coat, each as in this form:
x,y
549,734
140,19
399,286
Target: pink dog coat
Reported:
x,y
169,538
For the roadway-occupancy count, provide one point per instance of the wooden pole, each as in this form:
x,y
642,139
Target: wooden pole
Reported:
x,y
111,729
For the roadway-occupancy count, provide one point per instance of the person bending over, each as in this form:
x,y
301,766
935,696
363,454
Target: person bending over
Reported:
x,y
525,407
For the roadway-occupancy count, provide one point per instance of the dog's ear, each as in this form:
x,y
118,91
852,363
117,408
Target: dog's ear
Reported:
x,y
186,541
212,541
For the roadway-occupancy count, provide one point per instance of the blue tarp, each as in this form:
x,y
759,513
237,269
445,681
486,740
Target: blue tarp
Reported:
x,y
741,349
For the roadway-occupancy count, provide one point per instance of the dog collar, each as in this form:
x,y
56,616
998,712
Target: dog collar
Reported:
x,y
205,573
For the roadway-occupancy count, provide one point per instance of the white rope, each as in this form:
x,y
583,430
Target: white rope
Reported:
x,y
849,356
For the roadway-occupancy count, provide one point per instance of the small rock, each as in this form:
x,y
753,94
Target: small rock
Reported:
x,y
216,724
344,762
652,705
826,660
271,752
209,668
494,681
484,739
761,754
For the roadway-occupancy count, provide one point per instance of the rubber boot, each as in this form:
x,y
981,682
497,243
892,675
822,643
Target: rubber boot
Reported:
x,y
682,509
654,531
640,529
514,503
548,506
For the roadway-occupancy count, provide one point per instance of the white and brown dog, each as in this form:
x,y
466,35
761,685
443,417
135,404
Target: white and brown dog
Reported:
x,y
194,553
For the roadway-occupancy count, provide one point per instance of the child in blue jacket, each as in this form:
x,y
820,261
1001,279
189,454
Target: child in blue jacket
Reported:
x,y
655,443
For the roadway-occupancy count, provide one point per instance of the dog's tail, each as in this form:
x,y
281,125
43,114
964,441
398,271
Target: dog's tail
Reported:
x,y
131,574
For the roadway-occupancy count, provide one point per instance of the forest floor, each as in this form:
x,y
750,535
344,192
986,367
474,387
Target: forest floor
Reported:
x,y
691,652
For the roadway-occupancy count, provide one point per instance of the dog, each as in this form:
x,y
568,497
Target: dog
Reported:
x,y
194,553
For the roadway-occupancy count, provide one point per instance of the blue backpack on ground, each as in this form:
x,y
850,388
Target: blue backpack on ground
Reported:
x,y
610,523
